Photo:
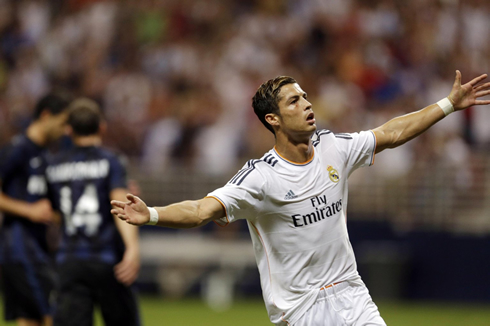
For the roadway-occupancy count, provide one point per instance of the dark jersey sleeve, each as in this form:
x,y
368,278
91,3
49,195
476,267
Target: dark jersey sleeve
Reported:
x,y
117,173
9,163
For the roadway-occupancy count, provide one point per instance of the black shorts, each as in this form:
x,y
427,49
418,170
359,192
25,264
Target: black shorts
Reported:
x,y
84,284
28,288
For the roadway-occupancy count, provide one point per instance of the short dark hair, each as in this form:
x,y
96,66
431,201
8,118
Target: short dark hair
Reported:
x,y
54,102
84,117
266,98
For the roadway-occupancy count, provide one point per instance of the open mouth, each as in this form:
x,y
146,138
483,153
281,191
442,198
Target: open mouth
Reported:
x,y
311,118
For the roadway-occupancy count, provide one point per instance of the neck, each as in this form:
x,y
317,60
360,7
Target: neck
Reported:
x,y
36,134
297,151
86,141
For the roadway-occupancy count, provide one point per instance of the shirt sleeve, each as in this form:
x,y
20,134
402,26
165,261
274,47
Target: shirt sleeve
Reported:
x,y
242,196
10,161
117,176
357,149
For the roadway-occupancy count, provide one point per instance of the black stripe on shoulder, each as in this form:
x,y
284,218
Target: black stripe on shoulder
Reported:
x,y
318,134
270,159
249,170
244,172
343,136
239,173
323,132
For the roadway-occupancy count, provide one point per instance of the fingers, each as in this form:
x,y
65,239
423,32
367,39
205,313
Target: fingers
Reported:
x,y
125,273
473,82
132,198
476,80
41,211
482,93
120,273
117,211
457,79
480,102
117,203
120,216
482,87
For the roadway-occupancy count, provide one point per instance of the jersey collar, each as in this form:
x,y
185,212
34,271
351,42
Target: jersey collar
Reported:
x,y
294,163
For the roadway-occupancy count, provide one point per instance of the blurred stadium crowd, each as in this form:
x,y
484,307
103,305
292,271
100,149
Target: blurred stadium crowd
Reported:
x,y
175,77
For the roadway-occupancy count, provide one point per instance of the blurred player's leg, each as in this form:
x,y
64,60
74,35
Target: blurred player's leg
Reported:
x,y
75,304
27,289
117,302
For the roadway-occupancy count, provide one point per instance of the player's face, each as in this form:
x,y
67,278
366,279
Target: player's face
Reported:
x,y
56,126
296,114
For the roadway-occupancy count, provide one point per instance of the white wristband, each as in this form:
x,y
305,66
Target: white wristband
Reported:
x,y
153,216
446,106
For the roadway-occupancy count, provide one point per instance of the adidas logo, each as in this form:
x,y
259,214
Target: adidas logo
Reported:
x,y
290,195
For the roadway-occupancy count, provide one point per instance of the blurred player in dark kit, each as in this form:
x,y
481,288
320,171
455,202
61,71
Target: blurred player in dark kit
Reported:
x,y
27,272
98,258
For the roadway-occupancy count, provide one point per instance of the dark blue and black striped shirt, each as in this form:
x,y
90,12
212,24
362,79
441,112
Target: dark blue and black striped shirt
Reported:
x,y
80,182
22,167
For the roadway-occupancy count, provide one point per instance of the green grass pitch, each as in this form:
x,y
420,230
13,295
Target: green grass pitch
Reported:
x,y
156,311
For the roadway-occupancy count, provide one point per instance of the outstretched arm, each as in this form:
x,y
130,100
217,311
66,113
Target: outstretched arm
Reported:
x,y
183,215
404,128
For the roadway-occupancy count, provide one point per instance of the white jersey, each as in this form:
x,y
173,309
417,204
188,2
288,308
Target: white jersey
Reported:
x,y
296,215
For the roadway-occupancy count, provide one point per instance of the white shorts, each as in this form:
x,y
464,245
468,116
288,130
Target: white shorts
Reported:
x,y
344,304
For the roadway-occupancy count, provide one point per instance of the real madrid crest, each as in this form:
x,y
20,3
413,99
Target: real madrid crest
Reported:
x,y
333,174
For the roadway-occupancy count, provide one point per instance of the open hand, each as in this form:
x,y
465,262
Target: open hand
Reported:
x,y
134,211
464,96
126,271
41,212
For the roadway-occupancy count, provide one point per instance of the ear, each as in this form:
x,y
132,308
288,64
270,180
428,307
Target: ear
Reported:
x,y
272,119
102,127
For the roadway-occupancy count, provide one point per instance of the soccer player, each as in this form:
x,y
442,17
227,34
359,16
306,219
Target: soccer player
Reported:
x,y
98,258
294,200
27,271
